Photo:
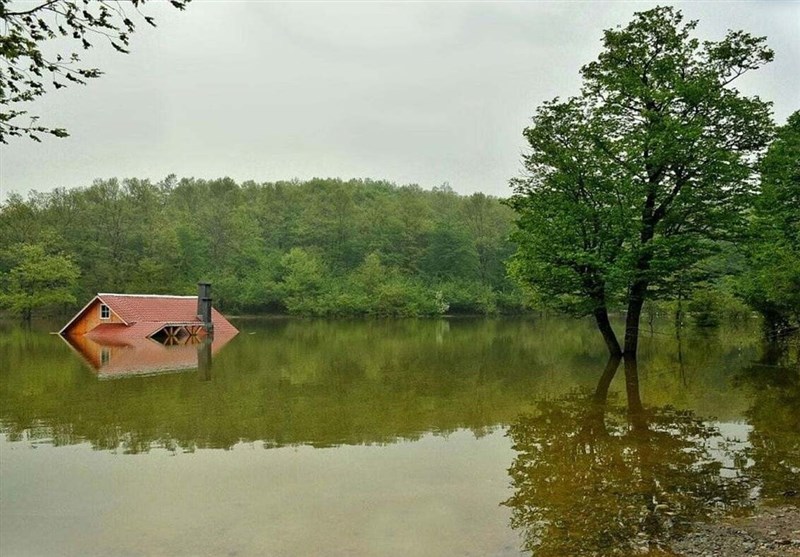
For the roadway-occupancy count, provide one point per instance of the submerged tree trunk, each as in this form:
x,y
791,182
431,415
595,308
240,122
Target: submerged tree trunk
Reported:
x,y
635,304
610,338
635,408
775,324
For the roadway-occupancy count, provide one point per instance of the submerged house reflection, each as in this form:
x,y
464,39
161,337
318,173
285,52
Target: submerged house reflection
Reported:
x,y
122,334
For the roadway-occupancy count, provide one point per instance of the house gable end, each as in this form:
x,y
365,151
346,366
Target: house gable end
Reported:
x,y
89,317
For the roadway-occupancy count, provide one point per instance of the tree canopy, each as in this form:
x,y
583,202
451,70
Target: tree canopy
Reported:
x,y
629,183
37,279
35,53
772,283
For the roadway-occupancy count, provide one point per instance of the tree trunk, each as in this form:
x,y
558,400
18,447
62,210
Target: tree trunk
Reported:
x,y
635,408
604,324
635,303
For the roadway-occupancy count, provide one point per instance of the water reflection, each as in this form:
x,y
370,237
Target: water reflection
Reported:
x,y
594,477
287,382
588,477
126,356
328,383
773,456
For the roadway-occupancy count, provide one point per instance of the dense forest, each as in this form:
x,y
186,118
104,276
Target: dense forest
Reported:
x,y
319,247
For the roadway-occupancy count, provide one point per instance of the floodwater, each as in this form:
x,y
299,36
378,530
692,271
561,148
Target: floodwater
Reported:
x,y
389,437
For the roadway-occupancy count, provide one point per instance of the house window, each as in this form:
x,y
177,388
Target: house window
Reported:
x,y
105,312
105,356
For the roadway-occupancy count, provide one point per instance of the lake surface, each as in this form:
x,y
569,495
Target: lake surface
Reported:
x,y
382,437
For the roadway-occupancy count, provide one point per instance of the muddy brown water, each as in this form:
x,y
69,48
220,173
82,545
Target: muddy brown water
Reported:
x,y
389,437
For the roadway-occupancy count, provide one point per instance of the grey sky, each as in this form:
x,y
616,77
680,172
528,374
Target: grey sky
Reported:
x,y
418,92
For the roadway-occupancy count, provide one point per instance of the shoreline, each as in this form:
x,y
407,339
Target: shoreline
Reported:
x,y
771,531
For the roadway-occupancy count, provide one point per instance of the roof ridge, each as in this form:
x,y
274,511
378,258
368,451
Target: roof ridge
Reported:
x,y
145,295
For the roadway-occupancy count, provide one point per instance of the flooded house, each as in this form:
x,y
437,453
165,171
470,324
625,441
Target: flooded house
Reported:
x,y
134,334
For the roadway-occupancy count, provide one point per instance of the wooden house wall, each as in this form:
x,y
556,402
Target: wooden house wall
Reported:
x,y
91,319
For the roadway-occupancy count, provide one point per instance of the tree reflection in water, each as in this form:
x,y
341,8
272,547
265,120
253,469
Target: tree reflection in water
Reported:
x,y
595,478
773,454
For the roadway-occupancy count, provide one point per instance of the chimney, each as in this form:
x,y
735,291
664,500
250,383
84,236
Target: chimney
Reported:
x,y
204,306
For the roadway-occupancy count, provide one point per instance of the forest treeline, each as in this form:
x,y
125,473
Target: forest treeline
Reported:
x,y
316,247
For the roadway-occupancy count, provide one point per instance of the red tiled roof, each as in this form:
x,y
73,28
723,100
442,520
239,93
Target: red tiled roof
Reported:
x,y
134,309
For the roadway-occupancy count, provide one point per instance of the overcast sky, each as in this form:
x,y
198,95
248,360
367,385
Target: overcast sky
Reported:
x,y
413,92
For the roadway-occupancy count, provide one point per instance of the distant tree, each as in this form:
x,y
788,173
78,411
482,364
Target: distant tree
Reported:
x,y
488,227
629,182
772,283
371,274
329,221
29,68
303,281
449,254
19,220
37,280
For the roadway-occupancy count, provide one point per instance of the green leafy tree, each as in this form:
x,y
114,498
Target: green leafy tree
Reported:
x,y
572,222
469,296
405,227
329,221
772,283
449,254
29,69
20,221
304,281
37,280
488,224
630,182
